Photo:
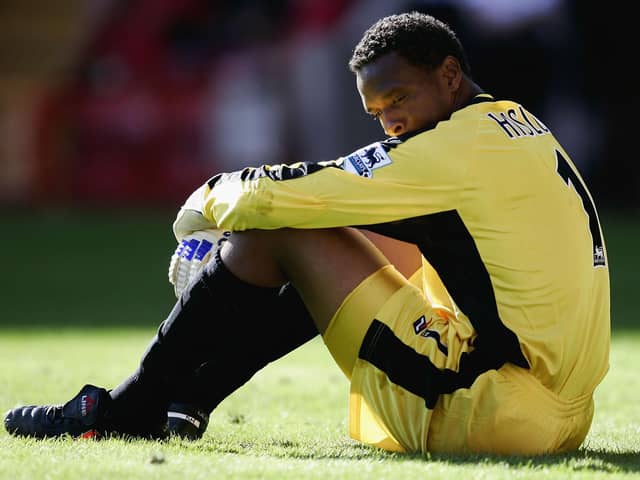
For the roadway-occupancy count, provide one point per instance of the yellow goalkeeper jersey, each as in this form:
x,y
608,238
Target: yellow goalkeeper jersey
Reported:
x,y
496,207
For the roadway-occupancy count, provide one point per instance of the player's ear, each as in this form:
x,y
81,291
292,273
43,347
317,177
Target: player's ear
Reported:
x,y
451,72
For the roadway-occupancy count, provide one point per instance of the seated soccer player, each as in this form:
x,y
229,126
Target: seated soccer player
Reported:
x,y
496,344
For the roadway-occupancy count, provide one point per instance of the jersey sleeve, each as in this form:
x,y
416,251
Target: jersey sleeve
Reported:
x,y
382,182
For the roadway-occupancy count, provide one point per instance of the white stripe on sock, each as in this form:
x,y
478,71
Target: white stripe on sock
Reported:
x,y
188,418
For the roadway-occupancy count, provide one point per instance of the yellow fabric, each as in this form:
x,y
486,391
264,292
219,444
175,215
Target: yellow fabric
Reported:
x,y
498,168
505,411
343,338
356,313
508,411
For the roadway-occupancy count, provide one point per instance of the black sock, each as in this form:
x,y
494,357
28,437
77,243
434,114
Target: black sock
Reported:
x,y
219,333
288,325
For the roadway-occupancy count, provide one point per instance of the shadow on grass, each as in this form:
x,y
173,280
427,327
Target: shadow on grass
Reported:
x,y
585,459
581,460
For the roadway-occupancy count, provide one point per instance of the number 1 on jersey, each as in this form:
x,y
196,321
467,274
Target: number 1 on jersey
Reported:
x,y
571,179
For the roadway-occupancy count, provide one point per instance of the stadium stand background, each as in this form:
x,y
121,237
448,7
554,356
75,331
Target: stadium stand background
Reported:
x,y
114,102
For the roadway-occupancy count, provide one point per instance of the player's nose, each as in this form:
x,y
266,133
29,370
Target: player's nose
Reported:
x,y
393,124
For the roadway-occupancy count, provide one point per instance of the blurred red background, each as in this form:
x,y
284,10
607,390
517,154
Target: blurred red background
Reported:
x,y
138,102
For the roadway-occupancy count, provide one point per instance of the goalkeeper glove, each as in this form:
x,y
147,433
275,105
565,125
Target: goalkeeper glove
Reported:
x,y
191,254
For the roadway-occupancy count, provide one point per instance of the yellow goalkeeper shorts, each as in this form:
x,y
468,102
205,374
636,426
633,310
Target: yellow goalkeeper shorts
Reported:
x,y
504,411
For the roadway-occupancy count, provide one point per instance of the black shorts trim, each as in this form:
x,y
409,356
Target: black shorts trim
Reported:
x,y
415,372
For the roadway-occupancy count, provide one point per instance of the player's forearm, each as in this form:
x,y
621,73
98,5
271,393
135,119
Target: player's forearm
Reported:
x,y
190,218
326,198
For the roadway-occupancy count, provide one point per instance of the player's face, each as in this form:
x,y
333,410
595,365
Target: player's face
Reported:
x,y
403,96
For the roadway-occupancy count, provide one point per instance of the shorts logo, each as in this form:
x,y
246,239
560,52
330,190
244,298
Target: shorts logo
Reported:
x,y
364,161
419,325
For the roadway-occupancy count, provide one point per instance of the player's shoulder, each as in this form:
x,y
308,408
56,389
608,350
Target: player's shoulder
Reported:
x,y
462,124
454,134
507,118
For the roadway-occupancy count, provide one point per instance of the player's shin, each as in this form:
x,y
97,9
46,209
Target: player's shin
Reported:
x,y
219,334
282,326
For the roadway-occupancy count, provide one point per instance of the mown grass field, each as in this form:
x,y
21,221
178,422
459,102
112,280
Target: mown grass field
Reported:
x,y
81,297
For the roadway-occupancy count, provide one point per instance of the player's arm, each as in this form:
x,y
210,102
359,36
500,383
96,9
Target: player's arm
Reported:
x,y
197,239
377,184
190,218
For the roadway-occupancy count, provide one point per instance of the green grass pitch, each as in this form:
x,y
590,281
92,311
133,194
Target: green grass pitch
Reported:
x,y
81,297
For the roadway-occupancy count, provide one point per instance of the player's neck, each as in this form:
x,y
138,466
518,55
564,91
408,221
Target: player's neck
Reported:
x,y
468,89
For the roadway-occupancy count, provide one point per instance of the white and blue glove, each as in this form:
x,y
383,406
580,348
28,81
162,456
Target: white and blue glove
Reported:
x,y
191,255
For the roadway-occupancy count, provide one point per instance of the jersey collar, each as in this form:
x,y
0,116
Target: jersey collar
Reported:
x,y
391,142
481,98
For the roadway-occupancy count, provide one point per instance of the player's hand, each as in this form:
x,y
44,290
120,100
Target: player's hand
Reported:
x,y
191,254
